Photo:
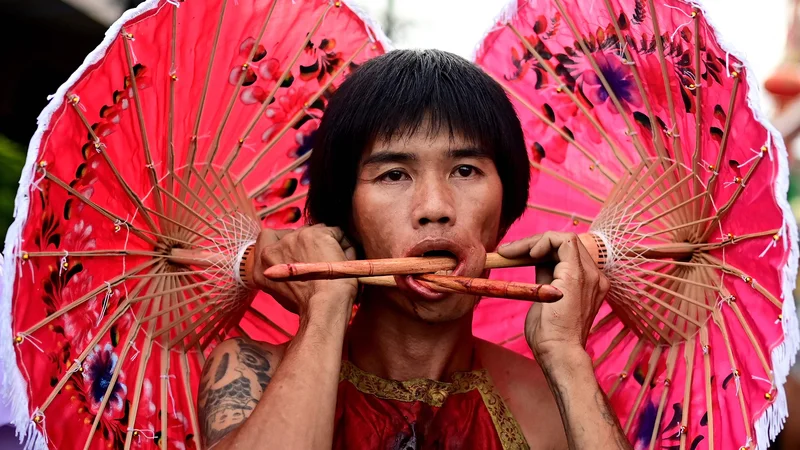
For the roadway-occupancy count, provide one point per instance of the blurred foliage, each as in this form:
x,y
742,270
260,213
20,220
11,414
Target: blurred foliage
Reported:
x,y
12,158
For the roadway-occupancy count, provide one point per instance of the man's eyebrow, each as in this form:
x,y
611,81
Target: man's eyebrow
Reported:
x,y
389,157
468,152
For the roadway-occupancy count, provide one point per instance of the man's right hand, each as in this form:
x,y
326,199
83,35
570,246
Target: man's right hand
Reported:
x,y
316,243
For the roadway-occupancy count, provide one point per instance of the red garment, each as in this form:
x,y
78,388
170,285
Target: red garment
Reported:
x,y
421,414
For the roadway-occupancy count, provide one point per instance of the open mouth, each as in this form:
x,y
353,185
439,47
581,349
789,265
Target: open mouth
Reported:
x,y
433,248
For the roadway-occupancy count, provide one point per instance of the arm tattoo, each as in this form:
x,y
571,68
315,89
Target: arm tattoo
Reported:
x,y
229,395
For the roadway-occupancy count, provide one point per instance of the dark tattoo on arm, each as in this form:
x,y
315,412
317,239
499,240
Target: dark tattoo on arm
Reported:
x,y
229,397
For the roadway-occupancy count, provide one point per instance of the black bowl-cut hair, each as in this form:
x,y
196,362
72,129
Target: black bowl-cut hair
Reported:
x,y
401,93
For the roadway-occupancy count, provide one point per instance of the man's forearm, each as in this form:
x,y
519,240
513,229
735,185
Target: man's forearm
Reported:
x,y
588,420
297,408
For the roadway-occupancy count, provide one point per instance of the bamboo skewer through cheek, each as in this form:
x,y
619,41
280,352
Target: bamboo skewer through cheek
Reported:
x,y
449,284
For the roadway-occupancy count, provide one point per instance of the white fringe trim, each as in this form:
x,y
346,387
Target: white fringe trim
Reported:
x,y
14,387
771,421
373,28
503,17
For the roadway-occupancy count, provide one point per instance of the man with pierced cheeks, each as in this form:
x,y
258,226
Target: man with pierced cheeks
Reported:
x,y
419,153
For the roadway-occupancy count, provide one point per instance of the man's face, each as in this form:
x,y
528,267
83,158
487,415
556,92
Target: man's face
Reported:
x,y
428,195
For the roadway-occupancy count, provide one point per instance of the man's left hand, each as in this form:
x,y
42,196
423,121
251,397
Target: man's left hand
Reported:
x,y
554,327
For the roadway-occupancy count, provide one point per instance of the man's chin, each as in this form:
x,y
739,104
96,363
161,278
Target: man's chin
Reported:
x,y
447,308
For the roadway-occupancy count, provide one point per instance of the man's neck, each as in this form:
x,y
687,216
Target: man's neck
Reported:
x,y
391,344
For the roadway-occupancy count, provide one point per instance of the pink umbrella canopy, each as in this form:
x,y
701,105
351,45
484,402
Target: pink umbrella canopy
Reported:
x,y
184,133
643,129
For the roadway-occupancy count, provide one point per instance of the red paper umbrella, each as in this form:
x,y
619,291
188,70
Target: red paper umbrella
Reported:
x,y
643,131
152,169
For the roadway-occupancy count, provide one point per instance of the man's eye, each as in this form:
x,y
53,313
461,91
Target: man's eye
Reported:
x,y
393,175
465,171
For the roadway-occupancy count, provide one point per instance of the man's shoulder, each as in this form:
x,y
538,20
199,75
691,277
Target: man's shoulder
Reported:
x,y
523,386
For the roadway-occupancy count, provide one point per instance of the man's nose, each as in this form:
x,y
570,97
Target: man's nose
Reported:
x,y
434,203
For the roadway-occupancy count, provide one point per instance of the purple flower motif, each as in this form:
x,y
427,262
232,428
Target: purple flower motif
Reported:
x,y
98,370
620,80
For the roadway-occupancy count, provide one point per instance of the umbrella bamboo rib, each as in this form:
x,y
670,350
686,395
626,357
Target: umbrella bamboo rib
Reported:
x,y
627,369
738,239
561,213
723,211
659,144
558,130
121,309
583,189
145,356
609,90
192,212
719,319
274,139
206,83
94,254
118,368
191,403
171,101
186,324
620,157
217,309
612,346
181,226
126,38
108,214
712,181
252,310
179,305
753,342
264,187
91,294
678,148
688,354
674,278
651,366
672,293
734,271
286,72
264,212
215,143
707,377
698,114
165,385
137,201
662,403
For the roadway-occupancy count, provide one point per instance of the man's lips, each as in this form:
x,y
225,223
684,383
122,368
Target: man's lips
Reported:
x,y
439,246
